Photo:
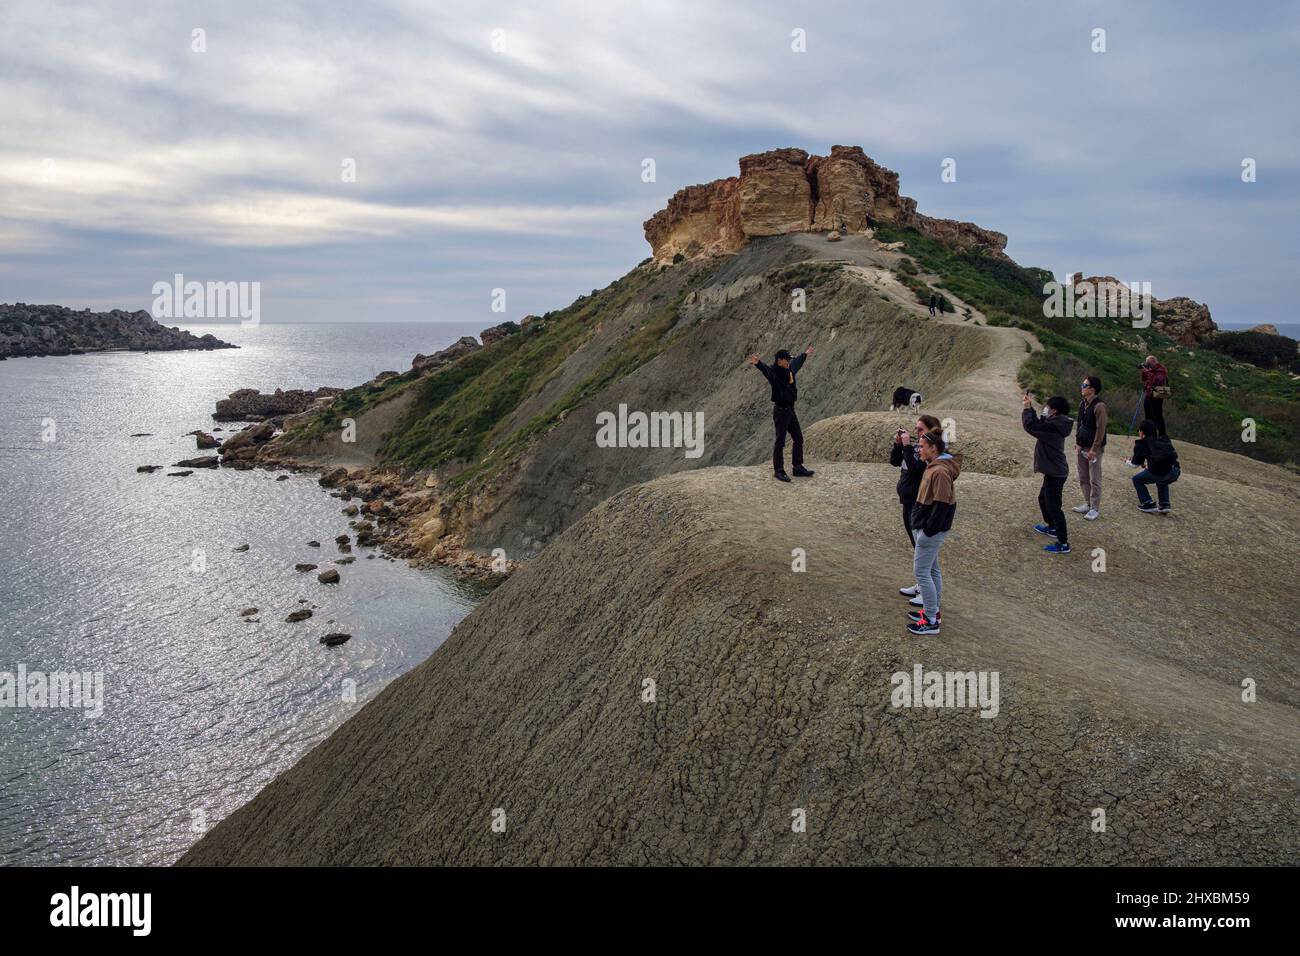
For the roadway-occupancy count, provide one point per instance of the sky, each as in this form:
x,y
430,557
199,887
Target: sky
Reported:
x,y
501,145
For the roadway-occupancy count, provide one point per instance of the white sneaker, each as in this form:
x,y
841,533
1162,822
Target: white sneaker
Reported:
x,y
1092,515
917,602
913,591
1081,509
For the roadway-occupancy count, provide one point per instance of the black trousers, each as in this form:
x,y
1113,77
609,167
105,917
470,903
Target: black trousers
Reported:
x,y
907,522
1154,409
784,420
1049,503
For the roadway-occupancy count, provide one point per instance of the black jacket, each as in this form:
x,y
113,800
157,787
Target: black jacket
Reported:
x,y
784,388
909,478
1156,455
1049,452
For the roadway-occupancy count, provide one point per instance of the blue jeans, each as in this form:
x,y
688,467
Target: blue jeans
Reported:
x,y
1145,477
925,563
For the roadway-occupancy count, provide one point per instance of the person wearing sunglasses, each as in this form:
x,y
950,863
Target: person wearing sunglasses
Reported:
x,y
1090,444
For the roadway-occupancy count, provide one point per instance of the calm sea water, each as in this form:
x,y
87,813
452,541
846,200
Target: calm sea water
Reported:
x,y
134,575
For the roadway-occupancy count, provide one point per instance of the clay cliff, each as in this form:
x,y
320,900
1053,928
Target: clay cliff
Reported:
x,y
787,190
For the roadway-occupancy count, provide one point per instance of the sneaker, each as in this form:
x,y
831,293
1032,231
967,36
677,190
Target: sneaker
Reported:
x,y
1092,515
802,472
913,591
1081,509
1129,462
920,616
782,476
1057,548
1045,529
916,601
1147,508
923,628
1164,509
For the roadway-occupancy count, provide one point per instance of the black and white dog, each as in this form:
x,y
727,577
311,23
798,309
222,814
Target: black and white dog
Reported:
x,y
905,398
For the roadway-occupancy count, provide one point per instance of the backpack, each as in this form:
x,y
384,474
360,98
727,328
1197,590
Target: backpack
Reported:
x,y
1161,456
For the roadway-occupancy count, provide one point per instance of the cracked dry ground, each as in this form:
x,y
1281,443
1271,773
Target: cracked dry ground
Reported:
x,y
1119,690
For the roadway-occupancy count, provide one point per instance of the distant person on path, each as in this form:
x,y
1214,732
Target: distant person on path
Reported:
x,y
903,456
1090,443
932,515
934,302
784,392
1155,455
1155,389
1050,462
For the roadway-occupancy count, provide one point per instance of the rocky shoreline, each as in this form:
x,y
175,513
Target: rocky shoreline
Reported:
x,y
403,515
33,331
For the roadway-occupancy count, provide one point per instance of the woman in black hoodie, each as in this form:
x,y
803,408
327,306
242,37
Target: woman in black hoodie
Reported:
x,y
1049,461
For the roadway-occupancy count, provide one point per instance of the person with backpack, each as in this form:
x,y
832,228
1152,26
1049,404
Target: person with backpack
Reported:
x,y
1090,444
784,393
1155,455
1155,389
932,516
1050,462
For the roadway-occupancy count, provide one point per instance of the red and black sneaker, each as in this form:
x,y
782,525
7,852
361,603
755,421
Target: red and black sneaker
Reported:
x,y
920,616
921,627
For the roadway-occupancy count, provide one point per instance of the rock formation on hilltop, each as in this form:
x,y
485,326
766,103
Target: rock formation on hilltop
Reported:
x,y
787,190
34,330
1184,320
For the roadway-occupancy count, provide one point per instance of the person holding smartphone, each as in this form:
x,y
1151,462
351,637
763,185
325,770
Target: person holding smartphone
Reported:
x,y
910,468
1050,431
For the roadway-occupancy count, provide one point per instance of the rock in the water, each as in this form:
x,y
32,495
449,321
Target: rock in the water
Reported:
x,y
305,567
55,330
342,539
299,615
206,461
250,405
179,474
313,544
347,560
241,547
204,440
328,577
250,437
335,639
248,612
350,511
141,434
148,469
281,477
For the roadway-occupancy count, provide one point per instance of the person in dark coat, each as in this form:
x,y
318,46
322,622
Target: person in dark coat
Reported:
x,y
1155,455
1051,430
1155,385
785,391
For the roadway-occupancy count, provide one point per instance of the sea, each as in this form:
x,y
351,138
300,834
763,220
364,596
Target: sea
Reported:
x,y
133,582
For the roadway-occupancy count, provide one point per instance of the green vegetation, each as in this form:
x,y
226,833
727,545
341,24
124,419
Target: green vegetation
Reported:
x,y
1212,390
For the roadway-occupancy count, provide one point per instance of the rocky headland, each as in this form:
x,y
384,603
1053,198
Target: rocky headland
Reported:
x,y
38,330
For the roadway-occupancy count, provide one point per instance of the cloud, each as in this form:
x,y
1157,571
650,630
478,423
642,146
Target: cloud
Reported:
x,y
515,132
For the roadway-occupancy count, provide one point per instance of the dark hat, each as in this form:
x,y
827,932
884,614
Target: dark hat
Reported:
x,y
782,354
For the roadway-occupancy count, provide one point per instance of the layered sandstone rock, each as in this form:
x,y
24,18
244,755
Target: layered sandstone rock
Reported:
x,y
788,190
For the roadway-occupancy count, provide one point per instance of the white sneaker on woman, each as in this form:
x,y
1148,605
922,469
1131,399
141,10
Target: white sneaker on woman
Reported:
x,y
1081,509
1092,515
913,591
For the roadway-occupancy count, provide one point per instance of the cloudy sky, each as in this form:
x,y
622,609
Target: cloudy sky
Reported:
x,y
501,144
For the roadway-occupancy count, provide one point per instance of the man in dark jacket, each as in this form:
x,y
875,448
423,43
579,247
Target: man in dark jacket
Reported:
x,y
1049,461
1155,385
784,393
1155,455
